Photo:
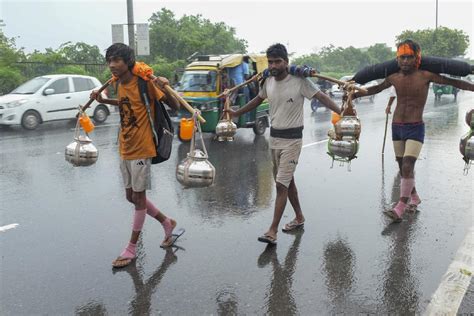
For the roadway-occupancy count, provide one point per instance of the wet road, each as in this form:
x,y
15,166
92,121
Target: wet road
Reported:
x,y
72,222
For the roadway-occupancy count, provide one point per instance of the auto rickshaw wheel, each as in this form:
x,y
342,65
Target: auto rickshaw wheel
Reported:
x,y
260,126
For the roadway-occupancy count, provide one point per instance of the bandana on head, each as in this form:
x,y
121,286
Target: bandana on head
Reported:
x,y
405,49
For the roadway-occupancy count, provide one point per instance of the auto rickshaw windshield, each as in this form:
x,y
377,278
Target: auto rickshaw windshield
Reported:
x,y
198,81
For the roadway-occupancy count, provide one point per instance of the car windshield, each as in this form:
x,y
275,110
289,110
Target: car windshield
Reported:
x,y
31,86
198,81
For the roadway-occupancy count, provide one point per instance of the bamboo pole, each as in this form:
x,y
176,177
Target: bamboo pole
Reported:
x,y
181,100
229,91
88,104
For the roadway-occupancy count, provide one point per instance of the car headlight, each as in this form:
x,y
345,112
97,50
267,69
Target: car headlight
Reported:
x,y
15,103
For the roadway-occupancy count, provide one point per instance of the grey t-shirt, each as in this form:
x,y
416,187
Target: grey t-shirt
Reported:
x,y
286,100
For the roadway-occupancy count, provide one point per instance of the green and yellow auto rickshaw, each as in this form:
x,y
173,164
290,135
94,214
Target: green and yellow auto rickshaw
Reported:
x,y
440,89
205,78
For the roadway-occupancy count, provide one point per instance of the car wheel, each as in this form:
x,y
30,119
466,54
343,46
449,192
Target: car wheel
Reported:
x,y
30,120
260,126
100,114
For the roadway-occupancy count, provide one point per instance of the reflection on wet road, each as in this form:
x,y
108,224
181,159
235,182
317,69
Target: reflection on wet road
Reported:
x,y
72,222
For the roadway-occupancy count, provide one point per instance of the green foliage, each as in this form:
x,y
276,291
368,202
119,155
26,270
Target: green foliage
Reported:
x,y
336,75
10,78
164,68
50,56
81,53
71,69
8,52
443,42
339,61
379,53
175,39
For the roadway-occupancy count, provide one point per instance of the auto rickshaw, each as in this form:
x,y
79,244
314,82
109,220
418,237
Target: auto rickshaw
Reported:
x,y
440,89
205,78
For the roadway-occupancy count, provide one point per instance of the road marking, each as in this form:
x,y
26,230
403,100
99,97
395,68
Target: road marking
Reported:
x,y
455,282
7,227
315,143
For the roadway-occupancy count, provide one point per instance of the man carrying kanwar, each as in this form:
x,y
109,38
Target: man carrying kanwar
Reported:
x,y
408,129
286,94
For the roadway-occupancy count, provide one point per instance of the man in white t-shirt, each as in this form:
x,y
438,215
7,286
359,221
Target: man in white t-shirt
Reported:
x,y
285,94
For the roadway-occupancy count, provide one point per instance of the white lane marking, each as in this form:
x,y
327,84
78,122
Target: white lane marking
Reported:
x,y
455,282
7,227
315,143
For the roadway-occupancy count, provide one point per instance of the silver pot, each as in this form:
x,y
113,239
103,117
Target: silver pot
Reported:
x,y
466,146
225,130
348,126
469,118
346,148
81,152
195,170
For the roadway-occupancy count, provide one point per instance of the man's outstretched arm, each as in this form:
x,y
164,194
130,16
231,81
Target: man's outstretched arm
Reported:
x,y
460,84
248,107
373,90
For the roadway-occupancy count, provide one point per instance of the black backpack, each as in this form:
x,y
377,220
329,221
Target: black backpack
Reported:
x,y
163,131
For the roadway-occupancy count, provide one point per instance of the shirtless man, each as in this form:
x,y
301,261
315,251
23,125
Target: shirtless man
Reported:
x,y
408,130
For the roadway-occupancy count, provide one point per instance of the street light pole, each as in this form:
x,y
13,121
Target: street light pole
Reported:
x,y
131,25
436,15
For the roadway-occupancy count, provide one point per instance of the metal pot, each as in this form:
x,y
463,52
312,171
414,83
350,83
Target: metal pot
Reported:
x,y
469,119
346,148
81,152
225,130
466,146
195,170
348,126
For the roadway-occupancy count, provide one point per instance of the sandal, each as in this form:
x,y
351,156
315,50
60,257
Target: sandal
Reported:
x,y
294,224
268,239
121,262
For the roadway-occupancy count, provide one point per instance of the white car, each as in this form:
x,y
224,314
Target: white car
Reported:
x,y
49,98
336,92
370,98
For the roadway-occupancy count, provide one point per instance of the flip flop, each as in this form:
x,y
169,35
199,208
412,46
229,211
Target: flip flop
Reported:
x,y
294,224
121,262
268,239
394,216
168,242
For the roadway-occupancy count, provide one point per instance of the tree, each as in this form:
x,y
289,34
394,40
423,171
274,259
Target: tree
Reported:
x,y
175,39
443,42
81,53
10,74
379,52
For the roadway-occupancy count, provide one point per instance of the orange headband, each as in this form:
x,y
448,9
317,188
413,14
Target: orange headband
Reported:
x,y
405,49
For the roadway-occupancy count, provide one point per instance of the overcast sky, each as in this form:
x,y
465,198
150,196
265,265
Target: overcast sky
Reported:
x,y
305,26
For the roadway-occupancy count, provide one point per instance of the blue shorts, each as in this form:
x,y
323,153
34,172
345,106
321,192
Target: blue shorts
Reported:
x,y
406,131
